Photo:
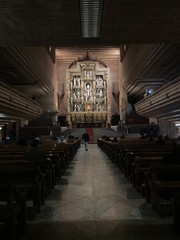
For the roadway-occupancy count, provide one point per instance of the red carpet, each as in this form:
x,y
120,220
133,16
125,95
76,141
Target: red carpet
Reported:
x,y
91,134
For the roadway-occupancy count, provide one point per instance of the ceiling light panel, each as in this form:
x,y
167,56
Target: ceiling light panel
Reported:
x,y
91,17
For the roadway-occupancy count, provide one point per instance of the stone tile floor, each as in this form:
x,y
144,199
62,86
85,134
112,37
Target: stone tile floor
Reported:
x,y
93,200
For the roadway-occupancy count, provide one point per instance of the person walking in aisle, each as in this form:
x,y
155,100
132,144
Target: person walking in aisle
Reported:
x,y
85,138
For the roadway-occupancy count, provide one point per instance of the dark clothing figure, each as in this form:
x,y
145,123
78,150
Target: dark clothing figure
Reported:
x,y
152,132
166,138
103,136
160,141
144,136
6,141
38,140
122,136
70,137
107,139
54,137
115,140
34,153
85,138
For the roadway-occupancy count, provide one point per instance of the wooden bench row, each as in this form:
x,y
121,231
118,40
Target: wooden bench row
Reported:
x,y
142,163
12,211
33,179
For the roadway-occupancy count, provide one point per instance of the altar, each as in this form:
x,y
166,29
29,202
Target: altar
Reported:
x,y
89,119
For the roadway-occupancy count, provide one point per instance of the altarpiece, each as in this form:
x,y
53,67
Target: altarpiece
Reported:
x,y
88,93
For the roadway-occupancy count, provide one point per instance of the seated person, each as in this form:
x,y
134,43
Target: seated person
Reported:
x,y
103,136
70,136
166,137
152,132
54,137
144,136
6,140
160,141
122,136
115,140
38,139
61,139
107,139
34,153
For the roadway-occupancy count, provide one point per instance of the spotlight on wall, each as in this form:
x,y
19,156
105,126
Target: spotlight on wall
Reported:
x,y
149,91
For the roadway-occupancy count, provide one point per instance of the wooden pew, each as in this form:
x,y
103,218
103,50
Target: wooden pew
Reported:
x,y
26,178
141,166
131,155
13,212
159,179
45,165
163,182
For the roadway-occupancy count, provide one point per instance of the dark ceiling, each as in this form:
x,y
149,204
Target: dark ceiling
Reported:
x,y
57,22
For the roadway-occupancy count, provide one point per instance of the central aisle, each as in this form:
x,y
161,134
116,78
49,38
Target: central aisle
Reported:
x,y
94,201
